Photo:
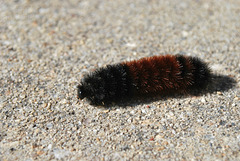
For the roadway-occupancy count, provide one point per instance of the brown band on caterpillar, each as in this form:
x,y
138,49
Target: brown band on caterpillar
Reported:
x,y
153,74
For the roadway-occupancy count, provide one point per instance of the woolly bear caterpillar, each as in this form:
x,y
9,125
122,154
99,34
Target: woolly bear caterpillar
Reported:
x,y
150,75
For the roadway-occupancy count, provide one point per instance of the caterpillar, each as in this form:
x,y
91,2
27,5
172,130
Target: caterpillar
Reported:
x,y
156,75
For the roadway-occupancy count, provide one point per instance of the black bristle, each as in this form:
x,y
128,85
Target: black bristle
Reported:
x,y
106,85
201,73
182,63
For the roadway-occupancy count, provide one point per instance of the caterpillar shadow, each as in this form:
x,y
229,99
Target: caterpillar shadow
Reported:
x,y
218,83
221,83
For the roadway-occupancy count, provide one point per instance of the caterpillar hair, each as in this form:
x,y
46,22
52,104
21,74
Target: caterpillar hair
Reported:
x,y
156,75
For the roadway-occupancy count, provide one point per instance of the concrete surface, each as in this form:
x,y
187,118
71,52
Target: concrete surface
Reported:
x,y
46,47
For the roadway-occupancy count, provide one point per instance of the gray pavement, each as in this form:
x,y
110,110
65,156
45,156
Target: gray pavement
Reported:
x,y
46,47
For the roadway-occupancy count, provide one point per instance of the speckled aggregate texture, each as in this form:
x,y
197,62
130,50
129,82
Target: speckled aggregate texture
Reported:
x,y
46,47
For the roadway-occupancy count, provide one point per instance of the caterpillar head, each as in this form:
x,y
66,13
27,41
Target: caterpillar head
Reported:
x,y
81,92
93,94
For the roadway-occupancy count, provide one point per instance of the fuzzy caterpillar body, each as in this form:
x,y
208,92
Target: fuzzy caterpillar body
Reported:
x,y
150,75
